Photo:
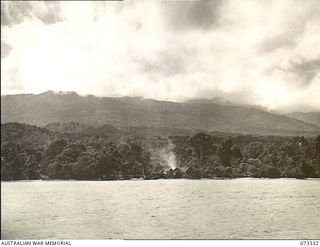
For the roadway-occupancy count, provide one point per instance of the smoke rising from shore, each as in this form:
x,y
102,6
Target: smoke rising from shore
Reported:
x,y
168,157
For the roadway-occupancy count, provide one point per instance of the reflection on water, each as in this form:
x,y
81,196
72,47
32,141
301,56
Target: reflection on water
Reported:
x,y
161,209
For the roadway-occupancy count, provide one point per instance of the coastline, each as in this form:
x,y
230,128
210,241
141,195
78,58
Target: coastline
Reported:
x,y
164,179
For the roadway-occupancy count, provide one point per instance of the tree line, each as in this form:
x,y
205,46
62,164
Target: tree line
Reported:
x,y
30,152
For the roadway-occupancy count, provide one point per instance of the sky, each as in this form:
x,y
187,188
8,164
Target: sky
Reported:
x,y
256,52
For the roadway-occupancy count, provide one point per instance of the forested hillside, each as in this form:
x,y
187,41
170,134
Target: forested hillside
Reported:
x,y
162,117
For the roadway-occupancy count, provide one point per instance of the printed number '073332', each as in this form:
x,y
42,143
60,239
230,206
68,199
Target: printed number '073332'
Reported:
x,y
309,242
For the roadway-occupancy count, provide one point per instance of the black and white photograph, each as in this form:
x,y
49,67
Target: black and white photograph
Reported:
x,y
160,120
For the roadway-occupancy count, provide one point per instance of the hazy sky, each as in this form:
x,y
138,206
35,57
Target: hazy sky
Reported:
x,y
250,51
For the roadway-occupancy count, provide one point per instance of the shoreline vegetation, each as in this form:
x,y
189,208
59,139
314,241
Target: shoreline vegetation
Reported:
x,y
73,151
154,179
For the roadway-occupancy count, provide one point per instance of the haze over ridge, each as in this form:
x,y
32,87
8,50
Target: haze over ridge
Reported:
x,y
152,115
249,52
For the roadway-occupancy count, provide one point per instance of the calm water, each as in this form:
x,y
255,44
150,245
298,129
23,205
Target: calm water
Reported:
x,y
170,209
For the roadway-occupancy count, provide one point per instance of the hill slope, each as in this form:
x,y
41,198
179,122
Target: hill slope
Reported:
x,y
309,117
52,107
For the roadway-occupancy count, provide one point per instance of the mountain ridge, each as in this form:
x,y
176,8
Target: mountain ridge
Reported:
x,y
309,117
51,107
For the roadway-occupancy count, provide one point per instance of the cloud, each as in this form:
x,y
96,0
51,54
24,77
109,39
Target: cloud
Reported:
x,y
249,52
186,15
15,12
305,70
5,49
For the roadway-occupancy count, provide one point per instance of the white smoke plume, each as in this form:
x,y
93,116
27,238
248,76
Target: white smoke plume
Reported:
x,y
168,158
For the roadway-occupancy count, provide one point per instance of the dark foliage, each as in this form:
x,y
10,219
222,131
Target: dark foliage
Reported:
x,y
30,152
